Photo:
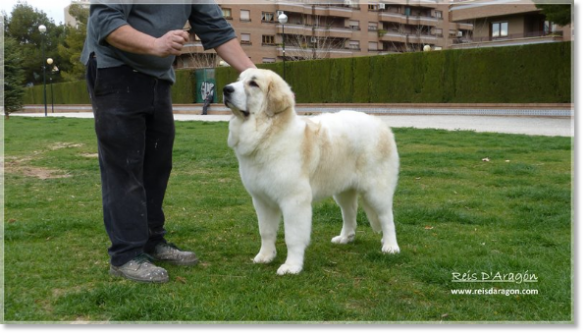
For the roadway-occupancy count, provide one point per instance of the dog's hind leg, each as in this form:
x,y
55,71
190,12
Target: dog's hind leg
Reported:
x,y
372,217
268,222
348,202
379,206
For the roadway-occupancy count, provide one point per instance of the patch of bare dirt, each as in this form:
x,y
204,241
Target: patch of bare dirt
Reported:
x,y
64,145
22,166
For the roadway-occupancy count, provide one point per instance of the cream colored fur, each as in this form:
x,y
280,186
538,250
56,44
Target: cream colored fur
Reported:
x,y
287,162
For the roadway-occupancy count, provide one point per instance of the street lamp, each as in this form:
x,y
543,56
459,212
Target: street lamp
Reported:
x,y
53,70
42,30
282,18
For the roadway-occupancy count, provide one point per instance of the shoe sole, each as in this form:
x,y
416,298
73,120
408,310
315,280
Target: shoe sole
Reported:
x,y
117,273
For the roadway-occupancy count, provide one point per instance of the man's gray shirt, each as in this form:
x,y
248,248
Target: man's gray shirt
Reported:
x,y
206,21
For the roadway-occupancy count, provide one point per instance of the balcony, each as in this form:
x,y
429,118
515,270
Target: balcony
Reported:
x,y
423,20
412,19
295,29
192,47
316,9
392,17
307,30
512,39
297,52
395,36
339,11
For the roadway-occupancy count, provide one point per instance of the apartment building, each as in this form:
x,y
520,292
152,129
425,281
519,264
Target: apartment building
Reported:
x,y
317,29
331,29
509,22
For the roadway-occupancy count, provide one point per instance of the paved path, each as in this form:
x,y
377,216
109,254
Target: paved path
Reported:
x,y
546,126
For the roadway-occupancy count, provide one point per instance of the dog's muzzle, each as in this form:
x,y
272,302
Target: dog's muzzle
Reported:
x,y
227,92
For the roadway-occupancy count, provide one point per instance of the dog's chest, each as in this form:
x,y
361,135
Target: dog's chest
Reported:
x,y
267,172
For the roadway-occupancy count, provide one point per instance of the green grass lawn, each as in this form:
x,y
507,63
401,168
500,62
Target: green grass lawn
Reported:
x,y
455,213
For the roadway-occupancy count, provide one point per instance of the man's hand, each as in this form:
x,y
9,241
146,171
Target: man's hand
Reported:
x,y
131,40
170,43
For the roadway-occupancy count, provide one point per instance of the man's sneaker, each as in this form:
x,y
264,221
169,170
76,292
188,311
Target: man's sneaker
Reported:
x,y
141,269
168,252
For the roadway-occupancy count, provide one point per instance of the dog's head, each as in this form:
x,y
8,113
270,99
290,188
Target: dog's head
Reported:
x,y
258,93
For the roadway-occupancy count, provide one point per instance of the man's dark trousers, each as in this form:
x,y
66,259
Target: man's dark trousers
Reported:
x,y
135,131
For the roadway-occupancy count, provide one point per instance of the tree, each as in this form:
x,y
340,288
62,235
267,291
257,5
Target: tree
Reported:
x,y
22,25
559,14
13,76
312,47
72,47
203,60
318,45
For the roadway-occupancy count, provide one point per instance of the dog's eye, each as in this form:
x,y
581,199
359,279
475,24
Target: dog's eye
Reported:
x,y
253,84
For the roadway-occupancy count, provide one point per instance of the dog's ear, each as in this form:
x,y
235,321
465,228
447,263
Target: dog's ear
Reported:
x,y
279,97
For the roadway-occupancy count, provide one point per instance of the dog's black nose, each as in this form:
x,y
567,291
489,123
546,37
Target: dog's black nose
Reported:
x,y
228,90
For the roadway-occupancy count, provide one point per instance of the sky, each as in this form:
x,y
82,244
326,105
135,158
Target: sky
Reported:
x,y
54,9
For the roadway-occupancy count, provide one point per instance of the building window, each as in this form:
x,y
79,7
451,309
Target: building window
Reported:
x,y
372,26
245,15
245,38
439,15
373,7
227,13
373,46
268,39
267,17
499,29
354,25
407,11
354,45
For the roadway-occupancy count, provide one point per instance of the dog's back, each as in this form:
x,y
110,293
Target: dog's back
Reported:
x,y
348,149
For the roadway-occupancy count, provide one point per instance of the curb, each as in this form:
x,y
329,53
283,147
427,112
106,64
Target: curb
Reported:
x,y
538,110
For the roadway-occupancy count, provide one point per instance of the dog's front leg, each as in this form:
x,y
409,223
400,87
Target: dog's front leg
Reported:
x,y
268,222
297,232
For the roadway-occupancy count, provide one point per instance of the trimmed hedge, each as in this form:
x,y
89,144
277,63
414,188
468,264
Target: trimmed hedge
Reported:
x,y
183,91
539,73
75,92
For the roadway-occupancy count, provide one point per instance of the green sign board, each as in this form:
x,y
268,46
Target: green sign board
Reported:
x,y
205,79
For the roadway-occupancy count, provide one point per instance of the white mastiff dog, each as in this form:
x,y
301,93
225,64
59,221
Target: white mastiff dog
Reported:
x,y
287,162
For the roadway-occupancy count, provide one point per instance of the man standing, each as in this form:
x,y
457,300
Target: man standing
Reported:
x,y
129,52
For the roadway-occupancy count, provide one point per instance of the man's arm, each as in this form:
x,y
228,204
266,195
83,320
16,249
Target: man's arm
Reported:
x,y
234,55
131,40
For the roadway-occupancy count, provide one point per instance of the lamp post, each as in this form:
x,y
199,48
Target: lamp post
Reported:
x,y
282,18
53,70
42,30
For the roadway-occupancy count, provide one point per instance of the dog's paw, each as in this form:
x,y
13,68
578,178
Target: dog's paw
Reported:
x,y
265,257
291,269
343,239
390,249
